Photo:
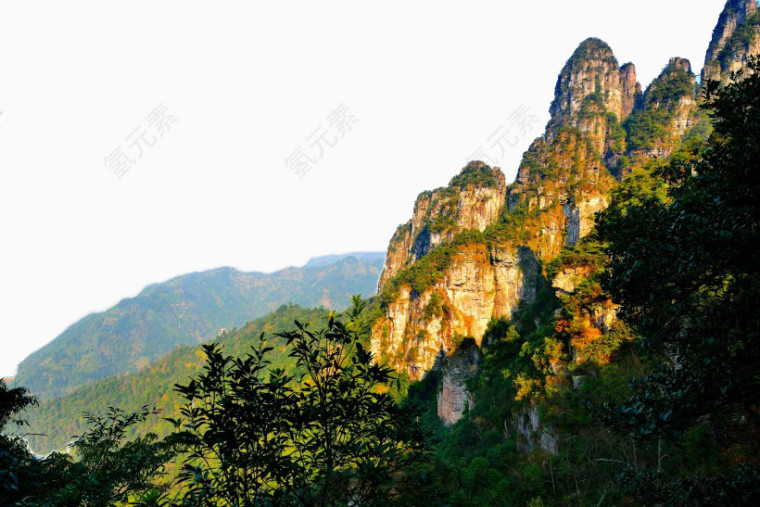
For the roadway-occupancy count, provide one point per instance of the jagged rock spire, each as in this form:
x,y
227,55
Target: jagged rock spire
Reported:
x,y
630,88
670,103
594,94
589,89
591,71
735,38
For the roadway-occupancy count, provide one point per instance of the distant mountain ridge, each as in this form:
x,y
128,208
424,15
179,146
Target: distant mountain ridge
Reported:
x,y
316,262
188,309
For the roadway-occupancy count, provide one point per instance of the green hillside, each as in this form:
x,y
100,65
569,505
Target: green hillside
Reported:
x,y
55,422
186,310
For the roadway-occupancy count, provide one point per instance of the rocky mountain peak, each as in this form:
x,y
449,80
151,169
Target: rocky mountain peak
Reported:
x,y
590,75
667,111
474,251
742,9
735,38
595,95
630,88
675,84
678,63
473,200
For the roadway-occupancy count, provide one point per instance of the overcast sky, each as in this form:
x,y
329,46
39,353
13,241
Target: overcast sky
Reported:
x,y
150,139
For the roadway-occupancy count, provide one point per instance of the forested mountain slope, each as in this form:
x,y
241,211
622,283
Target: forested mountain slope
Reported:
x,y
189,309
57,421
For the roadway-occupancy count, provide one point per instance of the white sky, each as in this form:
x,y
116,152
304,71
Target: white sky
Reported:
x,y
247,82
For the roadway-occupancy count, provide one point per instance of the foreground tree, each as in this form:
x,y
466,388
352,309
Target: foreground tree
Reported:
x,y
14,454
686,271
327,433
103,468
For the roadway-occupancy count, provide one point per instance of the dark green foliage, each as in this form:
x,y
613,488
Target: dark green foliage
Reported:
x,y
483,460
587,252
686,271
511,224
105,468
12,402
324,433
646,127
739,486
639,186
475,174
102,469
184,311
616,135
651,124
13,451
591,46
470,463
433,308
593,103
443,222
672,84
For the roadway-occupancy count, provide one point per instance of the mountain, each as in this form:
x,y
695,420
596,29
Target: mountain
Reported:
x,y
735,38
493,300
494,303
479,251
57,421
476,249
185,310
325,260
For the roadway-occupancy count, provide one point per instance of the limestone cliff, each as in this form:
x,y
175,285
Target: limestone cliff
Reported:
x,y
473,250
478,284
591,74
735,38
453,398
532,434
477,249
472,200
631,90
594,95
668,111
